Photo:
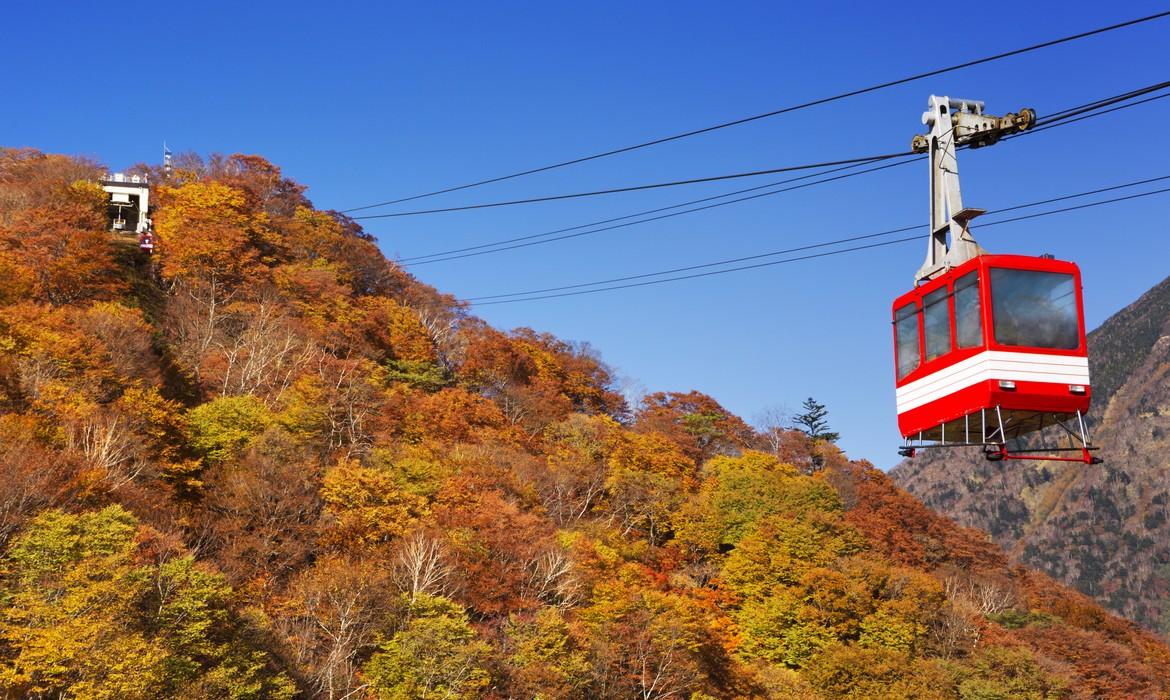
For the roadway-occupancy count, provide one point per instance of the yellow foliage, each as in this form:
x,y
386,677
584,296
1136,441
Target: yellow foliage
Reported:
x,y
319,294
88,192
154,417
649,453
305,408
751,461
312,234
205,231
368,504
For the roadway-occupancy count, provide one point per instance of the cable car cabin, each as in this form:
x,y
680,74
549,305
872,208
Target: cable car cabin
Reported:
x,y
994,344
987,348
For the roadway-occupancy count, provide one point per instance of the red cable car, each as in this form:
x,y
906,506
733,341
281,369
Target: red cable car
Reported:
x,y
987,348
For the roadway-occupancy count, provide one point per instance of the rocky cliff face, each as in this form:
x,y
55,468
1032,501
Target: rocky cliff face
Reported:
x,y
1104,529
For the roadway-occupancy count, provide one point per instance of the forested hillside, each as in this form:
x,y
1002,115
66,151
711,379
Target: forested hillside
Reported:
x,y
1105,528
266,462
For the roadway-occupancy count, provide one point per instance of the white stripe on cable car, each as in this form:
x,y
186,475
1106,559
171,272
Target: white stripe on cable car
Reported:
x,y
960,372
993,364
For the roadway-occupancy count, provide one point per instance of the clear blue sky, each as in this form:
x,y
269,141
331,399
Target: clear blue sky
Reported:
x,y
365,102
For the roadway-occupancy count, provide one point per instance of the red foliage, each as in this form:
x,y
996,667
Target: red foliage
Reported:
x,y
904,529
696,423
498,546
1100,668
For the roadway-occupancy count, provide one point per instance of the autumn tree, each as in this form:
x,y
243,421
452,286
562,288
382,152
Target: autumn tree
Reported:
x,y
59,252
571,481
270,447
259,516
33,474
493,543
645,643
697,423
739,491
646,483
268,190
850,672
544,658
331,619
368,505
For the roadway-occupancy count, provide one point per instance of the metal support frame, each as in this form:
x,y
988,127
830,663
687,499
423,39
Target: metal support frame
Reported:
x,y
995,438
954,123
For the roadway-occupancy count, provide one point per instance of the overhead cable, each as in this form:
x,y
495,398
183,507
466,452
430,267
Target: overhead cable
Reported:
x,y
677,213
1061,118
638,188
454,251
777,112
828,243
576,292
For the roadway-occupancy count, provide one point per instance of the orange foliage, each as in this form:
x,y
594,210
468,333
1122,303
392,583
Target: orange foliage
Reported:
x,y
536,378
395,331
320,296
60,249
576,372
496,469
498,547
266,188
206,231
904,529
453,415
696,423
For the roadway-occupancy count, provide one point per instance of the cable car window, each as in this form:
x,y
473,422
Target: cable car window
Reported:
x,y
937,322
968,321
906,337
1034,309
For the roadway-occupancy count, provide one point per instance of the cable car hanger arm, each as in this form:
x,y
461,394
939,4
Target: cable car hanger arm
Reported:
x,y
954,123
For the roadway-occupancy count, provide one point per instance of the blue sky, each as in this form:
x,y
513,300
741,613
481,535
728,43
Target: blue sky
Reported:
x,y
366,102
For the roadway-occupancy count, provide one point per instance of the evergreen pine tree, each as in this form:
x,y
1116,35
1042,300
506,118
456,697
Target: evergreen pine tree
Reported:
x,y
813,421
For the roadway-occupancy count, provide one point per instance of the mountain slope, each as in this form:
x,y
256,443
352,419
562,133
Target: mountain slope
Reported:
x,y
268,463
1102,528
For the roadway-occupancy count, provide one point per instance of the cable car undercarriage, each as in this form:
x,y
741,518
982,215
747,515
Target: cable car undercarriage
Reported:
x,y
1001,433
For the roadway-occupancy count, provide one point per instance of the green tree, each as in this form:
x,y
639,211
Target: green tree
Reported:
x,y
219,429
83,617
814,422
546,660
435,655
740,491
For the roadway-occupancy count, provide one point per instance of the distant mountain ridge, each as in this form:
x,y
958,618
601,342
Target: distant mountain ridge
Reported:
x,y
1104,529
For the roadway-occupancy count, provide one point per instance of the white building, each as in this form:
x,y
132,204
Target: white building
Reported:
x,y
129,203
